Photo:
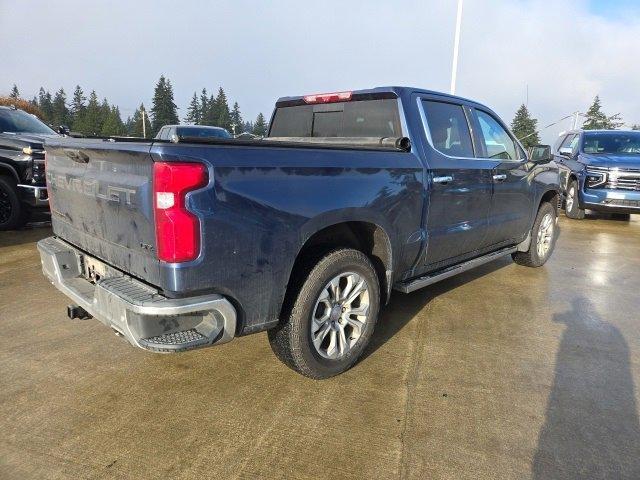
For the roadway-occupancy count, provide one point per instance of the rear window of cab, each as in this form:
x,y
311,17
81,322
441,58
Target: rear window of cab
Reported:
x,y
360,118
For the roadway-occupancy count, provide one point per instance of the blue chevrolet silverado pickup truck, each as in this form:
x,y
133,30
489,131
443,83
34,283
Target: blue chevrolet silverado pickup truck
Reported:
x,y
305,233
599,171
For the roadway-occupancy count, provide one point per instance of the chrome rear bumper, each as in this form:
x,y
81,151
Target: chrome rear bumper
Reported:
x,y
135,310
35,196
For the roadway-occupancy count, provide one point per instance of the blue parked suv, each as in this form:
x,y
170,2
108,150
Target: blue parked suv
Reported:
x,y
600,171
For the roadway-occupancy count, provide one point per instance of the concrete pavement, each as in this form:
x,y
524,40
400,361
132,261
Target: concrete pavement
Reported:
x,y
502,372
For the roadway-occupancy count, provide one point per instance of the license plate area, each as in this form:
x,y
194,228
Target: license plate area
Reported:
x,y
93,270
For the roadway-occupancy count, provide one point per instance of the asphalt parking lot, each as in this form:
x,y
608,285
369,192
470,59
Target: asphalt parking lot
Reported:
x,y
502,372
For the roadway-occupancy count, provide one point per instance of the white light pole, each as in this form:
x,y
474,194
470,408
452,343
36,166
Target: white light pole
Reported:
x,y
456,47
144,124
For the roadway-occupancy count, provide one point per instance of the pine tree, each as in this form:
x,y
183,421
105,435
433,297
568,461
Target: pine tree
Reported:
x,y
59,110
236,123
204,106
93,117
193,112
113,125
260,126
597,120
222,106
210,113
247,127
129,126
77,107
164,110
105,112
14,92
45,104
635,127
524,127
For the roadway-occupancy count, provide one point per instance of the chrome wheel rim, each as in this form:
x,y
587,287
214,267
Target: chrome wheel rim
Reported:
x,y
570,197
340,315
545,235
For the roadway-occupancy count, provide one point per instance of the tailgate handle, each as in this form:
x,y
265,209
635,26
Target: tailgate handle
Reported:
x,y
77,156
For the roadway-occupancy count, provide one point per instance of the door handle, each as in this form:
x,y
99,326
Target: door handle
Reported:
x,y
500,177
443,180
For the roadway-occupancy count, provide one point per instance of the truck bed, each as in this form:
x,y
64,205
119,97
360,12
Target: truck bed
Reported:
x,y
102,203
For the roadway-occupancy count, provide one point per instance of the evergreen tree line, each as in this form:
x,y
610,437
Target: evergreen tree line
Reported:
x,y
90,116
525,127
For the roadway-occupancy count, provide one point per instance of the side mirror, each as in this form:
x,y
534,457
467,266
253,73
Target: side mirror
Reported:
x,y
540,153
566,152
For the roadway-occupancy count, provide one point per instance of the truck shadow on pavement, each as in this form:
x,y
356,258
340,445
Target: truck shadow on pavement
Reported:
x,y
591,428
30,234
403,307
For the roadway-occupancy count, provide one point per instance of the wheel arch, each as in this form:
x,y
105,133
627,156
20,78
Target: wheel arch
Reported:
x,y
552,196
365,235
9,170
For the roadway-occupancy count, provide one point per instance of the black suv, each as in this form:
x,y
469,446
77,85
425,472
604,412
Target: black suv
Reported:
x,y
22,181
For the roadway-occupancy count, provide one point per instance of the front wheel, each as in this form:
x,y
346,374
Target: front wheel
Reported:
x,y
12,213
543,238
332,317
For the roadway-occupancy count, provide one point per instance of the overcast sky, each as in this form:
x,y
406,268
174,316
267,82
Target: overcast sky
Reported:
x,y
566,51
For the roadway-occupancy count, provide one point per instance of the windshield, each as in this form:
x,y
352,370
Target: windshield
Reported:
x,y
612,142
17,121
203,132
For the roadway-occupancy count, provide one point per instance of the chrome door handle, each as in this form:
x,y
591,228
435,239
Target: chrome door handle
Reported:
x,y
445,179
500,178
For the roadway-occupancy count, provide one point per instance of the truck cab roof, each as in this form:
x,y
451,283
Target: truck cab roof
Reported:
x,y
382,92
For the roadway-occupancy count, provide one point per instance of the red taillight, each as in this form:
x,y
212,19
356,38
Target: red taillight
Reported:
x,y
328,97
177,229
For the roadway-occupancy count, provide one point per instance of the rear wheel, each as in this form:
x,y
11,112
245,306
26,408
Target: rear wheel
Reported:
x,y
12,213
332,317
543,238
572,208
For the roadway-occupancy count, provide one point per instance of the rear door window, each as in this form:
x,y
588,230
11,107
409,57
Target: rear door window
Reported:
x,y
448,128
498,143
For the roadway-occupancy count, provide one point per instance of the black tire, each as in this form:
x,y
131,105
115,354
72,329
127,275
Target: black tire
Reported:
x,y
572,208
12,212
291,340
532,257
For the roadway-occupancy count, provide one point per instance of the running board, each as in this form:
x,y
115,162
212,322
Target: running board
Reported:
x,y
415,283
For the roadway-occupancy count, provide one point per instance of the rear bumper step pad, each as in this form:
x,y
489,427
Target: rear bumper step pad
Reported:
x,y
135,310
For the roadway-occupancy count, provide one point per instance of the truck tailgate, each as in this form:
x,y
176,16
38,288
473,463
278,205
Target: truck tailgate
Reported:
x,y
101,199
